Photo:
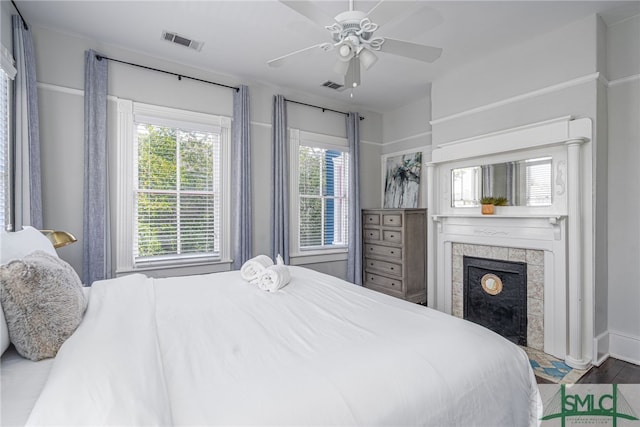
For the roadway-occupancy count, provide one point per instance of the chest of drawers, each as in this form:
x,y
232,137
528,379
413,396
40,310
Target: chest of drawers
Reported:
x,y
394,252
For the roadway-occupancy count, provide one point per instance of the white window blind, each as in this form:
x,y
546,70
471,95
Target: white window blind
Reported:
x,y
4,152
177,193
538,182
323,188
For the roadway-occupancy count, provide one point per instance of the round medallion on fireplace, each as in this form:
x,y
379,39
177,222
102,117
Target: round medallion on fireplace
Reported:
x,y
491,284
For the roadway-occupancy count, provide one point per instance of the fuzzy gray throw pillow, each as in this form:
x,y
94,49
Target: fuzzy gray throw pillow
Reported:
x,y
43,303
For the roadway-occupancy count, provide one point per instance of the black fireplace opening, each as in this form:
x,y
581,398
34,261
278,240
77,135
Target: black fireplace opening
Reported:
x,y
495,296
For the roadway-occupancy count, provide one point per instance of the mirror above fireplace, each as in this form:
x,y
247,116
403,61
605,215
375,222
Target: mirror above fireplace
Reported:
x,y
523,182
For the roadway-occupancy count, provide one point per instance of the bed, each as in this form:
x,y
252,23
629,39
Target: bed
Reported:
x,y
217,350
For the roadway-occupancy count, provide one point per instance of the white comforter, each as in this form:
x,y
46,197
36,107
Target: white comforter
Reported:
x,y
214,349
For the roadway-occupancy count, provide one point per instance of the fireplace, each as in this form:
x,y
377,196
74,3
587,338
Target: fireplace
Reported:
x,y
495,296
559,307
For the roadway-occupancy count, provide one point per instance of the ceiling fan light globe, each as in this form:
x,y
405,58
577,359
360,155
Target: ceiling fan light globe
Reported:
x,y
345,51
367,58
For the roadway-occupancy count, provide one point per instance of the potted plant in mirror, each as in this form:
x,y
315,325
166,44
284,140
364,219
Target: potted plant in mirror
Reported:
x,y
489,203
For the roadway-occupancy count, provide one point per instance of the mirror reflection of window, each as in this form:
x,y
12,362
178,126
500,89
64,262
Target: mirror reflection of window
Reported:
x,y
466,185
537,182
523,183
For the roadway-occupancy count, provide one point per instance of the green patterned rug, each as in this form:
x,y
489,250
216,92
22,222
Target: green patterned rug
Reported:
x,y
550,368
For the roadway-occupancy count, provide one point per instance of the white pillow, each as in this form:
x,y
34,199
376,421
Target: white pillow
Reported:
x,y
15,245
20,243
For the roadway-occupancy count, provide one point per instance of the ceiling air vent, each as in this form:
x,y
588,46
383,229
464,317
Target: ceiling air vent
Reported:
x,y
182,40
332,85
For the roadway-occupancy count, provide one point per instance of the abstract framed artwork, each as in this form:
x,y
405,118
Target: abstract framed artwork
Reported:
x,y
402,180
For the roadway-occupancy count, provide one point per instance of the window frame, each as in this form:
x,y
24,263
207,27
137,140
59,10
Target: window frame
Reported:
x,y
297,138
130,112
8,74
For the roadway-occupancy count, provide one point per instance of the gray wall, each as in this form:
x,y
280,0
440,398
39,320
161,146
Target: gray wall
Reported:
x,y
555,75
623,73
61,78
407,129
546,77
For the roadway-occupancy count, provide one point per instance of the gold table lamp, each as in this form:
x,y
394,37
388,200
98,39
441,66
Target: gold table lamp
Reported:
x,y
59,238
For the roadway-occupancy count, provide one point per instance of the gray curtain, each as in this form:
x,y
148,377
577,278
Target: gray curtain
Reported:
x,y
241,179
354,259
279,180
26,191
96,260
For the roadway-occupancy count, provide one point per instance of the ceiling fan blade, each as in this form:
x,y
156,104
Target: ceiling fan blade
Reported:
x,y
278,62
385,11
341,67
417,51
352,77
309,10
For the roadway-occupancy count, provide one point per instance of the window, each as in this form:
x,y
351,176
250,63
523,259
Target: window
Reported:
x,y
7,73
319,192
175,195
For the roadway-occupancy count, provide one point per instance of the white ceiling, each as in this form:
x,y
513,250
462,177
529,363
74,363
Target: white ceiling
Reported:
x,y
241,36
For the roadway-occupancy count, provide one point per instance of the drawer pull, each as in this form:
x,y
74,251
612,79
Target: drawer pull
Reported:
x,y
391,235
370,249
392,268
393,284
391,252
371,264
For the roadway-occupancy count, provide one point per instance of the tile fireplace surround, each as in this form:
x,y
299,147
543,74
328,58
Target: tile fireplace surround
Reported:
x,y
535,283
559,294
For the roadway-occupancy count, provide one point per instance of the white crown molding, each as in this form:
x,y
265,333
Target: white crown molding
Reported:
x,y
518,98
377,144
623,80
69,90
62,89
260,124
407,138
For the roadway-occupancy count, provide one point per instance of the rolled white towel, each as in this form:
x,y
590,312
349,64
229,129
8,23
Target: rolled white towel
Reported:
x,y
274,277
251,269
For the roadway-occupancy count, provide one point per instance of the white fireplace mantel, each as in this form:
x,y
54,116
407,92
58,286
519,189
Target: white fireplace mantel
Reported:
x,y
519,232
566,316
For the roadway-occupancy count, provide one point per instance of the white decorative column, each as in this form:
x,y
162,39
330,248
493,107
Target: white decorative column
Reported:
x,y
431,239
574,356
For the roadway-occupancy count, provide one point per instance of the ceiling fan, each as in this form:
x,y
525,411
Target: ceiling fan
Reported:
x,y
354,38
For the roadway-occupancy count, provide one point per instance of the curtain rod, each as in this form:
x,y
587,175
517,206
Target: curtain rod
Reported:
x,y
179,76
320,108
26,27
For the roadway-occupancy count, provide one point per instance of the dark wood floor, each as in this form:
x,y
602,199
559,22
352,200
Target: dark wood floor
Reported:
x,y
613,371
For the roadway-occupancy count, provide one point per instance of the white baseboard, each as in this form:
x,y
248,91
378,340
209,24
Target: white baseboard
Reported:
x,y
624,347
601,348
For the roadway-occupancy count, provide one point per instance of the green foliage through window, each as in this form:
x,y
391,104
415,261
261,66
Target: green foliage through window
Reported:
x,y
177,196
